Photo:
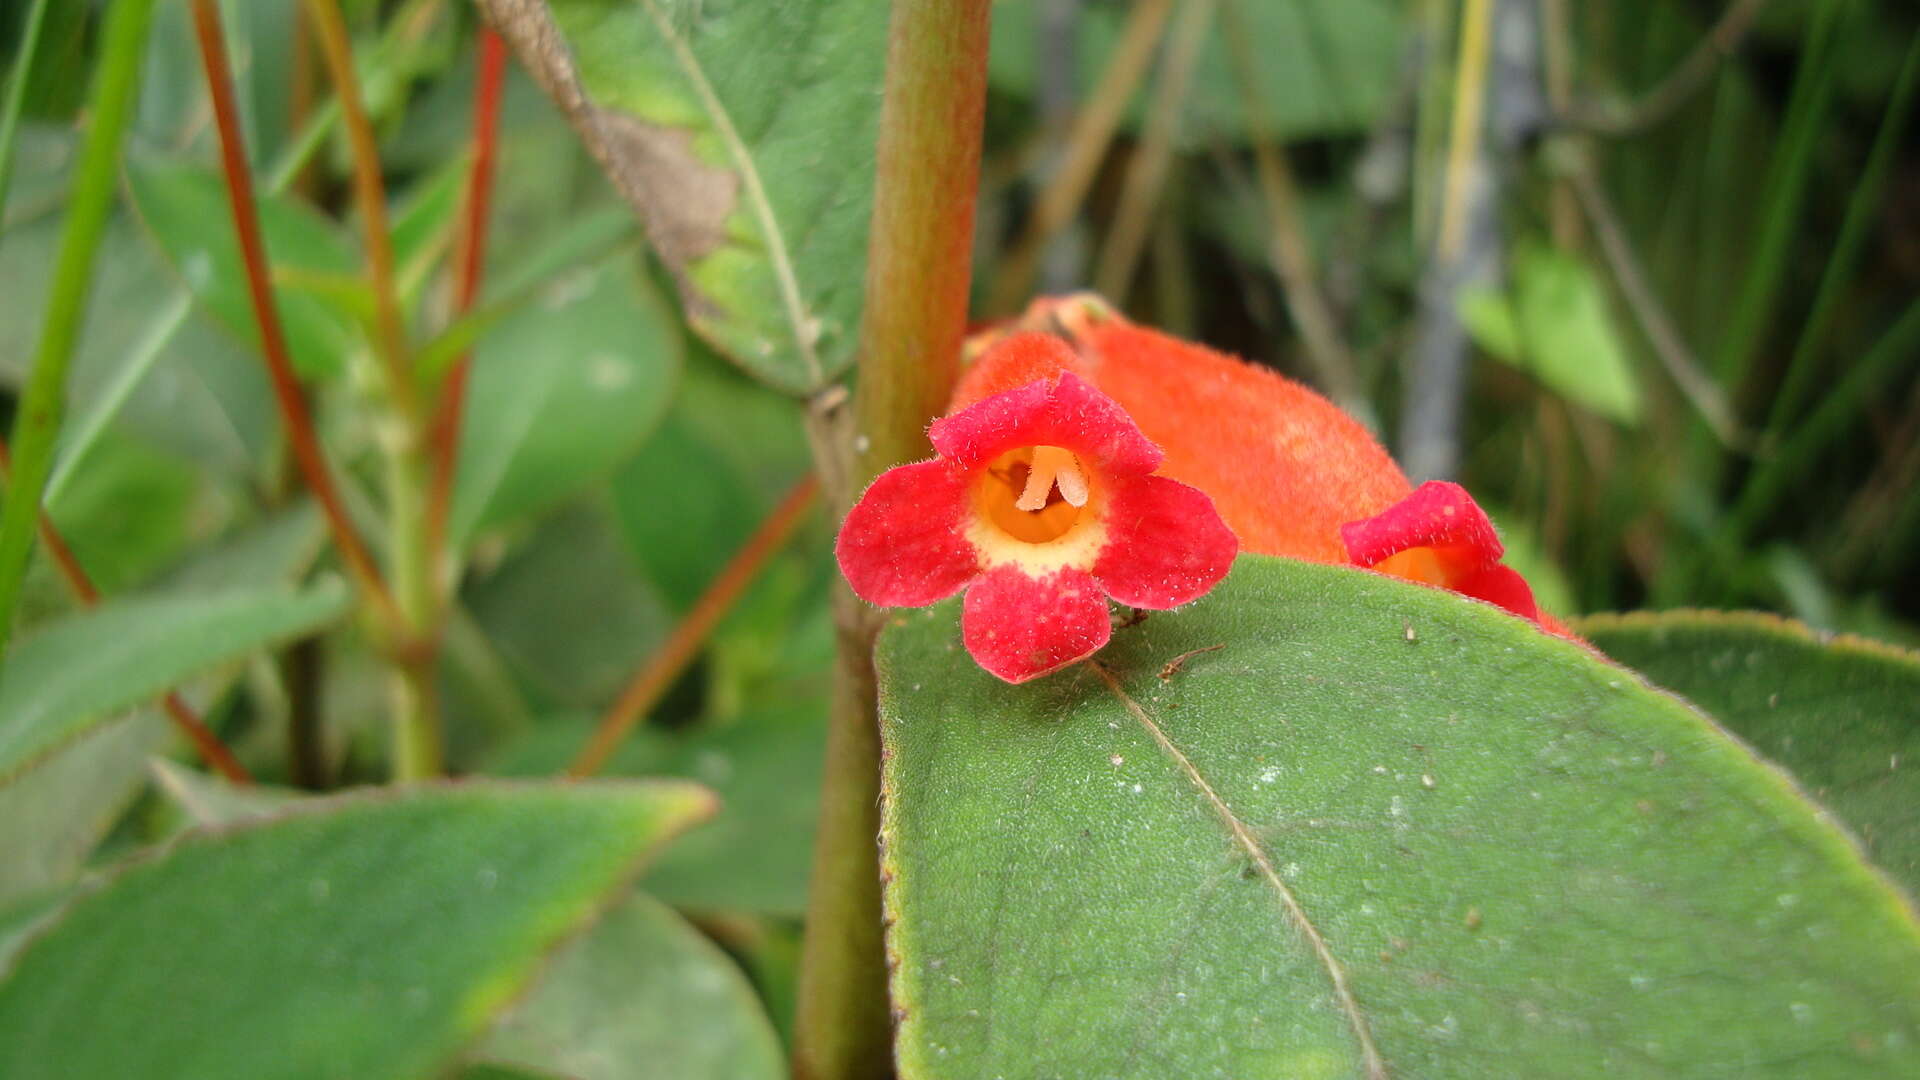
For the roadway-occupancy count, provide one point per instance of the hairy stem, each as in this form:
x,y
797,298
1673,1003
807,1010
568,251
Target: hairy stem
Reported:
x,y
43,400
918,270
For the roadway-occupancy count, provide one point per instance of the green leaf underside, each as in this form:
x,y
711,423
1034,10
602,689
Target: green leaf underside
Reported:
x,y
563,392
1328,850
1842,715
640,996
81,670
185,210
798,84
370,937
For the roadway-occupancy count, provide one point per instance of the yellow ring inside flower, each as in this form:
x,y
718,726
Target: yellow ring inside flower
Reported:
x,y
1035,494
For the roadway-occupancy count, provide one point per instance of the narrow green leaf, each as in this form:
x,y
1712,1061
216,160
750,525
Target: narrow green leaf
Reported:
x,y
73,674
563,392
1841,713
185,209
1326,69
640,996
744,135
1379,830
366,936
1553,321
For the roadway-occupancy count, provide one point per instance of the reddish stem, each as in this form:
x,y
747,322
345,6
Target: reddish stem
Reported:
x,y
211,749
653,678
445,432
286,386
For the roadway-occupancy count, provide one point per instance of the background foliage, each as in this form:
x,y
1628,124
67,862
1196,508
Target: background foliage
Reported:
x,y
1677,312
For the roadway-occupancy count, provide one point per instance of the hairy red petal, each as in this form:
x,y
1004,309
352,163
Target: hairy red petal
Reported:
x,y
904,543
1067,412
1020,628
1503,587
1166,544
1438,515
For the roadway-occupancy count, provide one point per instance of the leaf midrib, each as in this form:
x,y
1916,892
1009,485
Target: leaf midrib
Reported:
x,y
1242,836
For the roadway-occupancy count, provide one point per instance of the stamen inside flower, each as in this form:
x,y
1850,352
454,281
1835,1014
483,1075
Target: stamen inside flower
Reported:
x,y
1035,494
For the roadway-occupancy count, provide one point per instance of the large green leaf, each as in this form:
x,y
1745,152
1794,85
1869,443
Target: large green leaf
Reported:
x,y
185,208
562,393
743,134
642,995
75,673
367,936
1377,830
55,814
1842,714
1324,66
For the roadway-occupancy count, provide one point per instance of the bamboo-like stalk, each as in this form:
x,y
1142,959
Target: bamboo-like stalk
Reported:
x,y
43,400
918,270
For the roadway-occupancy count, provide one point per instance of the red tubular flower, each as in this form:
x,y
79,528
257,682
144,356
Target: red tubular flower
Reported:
x,y
1439,536
1041,504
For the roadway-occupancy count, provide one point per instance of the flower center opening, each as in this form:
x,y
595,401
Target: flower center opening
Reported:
x,y
1036,493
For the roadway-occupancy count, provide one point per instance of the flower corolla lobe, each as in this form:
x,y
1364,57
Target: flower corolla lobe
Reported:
x,y
1041,504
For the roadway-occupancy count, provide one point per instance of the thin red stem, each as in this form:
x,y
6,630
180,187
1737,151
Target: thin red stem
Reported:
x,y
294,415
658,673
209,746
445,432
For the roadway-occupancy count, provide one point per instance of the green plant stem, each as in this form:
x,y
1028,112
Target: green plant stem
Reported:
x,y
418,739
43,400
918,272
17,96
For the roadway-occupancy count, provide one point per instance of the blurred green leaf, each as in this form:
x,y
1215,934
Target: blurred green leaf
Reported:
x,y
1842,714
1326,68
697,109
641,995
212,800
185,209
727,451
130,511
54,815
69,676
1479,852
365,936
562,392
755,855
1553,321
569,610
423,226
